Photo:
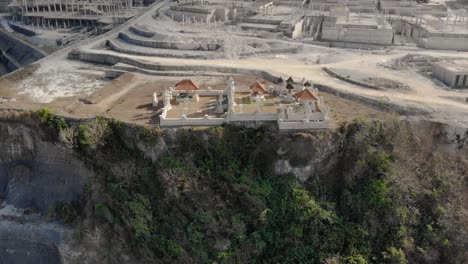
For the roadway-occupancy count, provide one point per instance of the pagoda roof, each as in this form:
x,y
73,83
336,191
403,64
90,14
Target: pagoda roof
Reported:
x,y
257,87
187,85
306,94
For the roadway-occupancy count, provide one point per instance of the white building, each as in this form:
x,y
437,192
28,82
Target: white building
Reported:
x,y
362,28
435,33
452,73
408,8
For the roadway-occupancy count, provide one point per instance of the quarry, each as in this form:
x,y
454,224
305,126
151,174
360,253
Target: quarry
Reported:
x,y
112,111
354,50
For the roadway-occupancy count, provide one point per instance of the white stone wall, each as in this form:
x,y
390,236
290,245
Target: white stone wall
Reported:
x,y
302,125
449,77
252,117
360,35
215,121
318,120
310,116
184,121
425,39
445,43
258,117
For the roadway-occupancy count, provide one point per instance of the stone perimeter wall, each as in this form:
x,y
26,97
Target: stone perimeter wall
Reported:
x,y
255,118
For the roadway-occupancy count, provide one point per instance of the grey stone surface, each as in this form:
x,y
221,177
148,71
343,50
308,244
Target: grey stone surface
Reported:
x,y
17,53
35,173
17,251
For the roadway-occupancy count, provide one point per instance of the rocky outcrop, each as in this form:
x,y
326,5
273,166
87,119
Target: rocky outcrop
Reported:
x,y
29,241
307,155
35,173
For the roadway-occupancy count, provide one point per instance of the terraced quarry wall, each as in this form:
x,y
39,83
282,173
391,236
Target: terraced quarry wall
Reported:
x,y
16,53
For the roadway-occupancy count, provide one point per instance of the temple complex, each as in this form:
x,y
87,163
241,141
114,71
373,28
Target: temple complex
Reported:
x,y
252,104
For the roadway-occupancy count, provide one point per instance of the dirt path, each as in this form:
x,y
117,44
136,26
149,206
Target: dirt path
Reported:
x,y
424,93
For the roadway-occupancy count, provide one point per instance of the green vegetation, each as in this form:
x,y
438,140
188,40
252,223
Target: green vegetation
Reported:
x,y
50,120
91,136
214,198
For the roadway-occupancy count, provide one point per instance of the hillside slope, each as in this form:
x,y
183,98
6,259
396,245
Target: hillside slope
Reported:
x,y
369,192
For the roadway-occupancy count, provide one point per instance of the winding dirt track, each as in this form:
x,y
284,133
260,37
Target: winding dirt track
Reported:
x,y
443,104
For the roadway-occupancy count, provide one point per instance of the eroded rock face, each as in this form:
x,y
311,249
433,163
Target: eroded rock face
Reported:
x,y
25,252
305,155
35,173
25,242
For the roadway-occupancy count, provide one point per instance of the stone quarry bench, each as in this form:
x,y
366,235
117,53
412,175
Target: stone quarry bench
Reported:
x,y
169,45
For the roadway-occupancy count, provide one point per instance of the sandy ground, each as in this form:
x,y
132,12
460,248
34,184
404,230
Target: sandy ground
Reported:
x,y
423,92
128,98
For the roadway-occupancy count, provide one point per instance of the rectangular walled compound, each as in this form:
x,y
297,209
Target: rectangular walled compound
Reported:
x,y
291,106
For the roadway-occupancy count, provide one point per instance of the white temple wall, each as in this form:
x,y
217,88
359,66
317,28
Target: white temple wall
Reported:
x,y
301,116
252,117
302,125
203,121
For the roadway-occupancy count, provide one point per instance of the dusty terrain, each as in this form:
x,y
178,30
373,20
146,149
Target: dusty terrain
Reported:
x,y
128,98
58,77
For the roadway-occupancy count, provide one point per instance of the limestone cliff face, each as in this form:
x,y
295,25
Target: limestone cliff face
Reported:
x,y
35,173
306,156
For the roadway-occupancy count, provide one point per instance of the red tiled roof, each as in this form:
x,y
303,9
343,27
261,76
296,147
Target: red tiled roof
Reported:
x,y
187,85
306,94
257,87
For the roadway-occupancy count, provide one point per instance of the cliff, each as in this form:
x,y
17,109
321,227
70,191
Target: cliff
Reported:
x,y
100,191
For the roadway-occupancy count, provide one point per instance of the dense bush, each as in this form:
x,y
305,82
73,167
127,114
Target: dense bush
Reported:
x,y
214,199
